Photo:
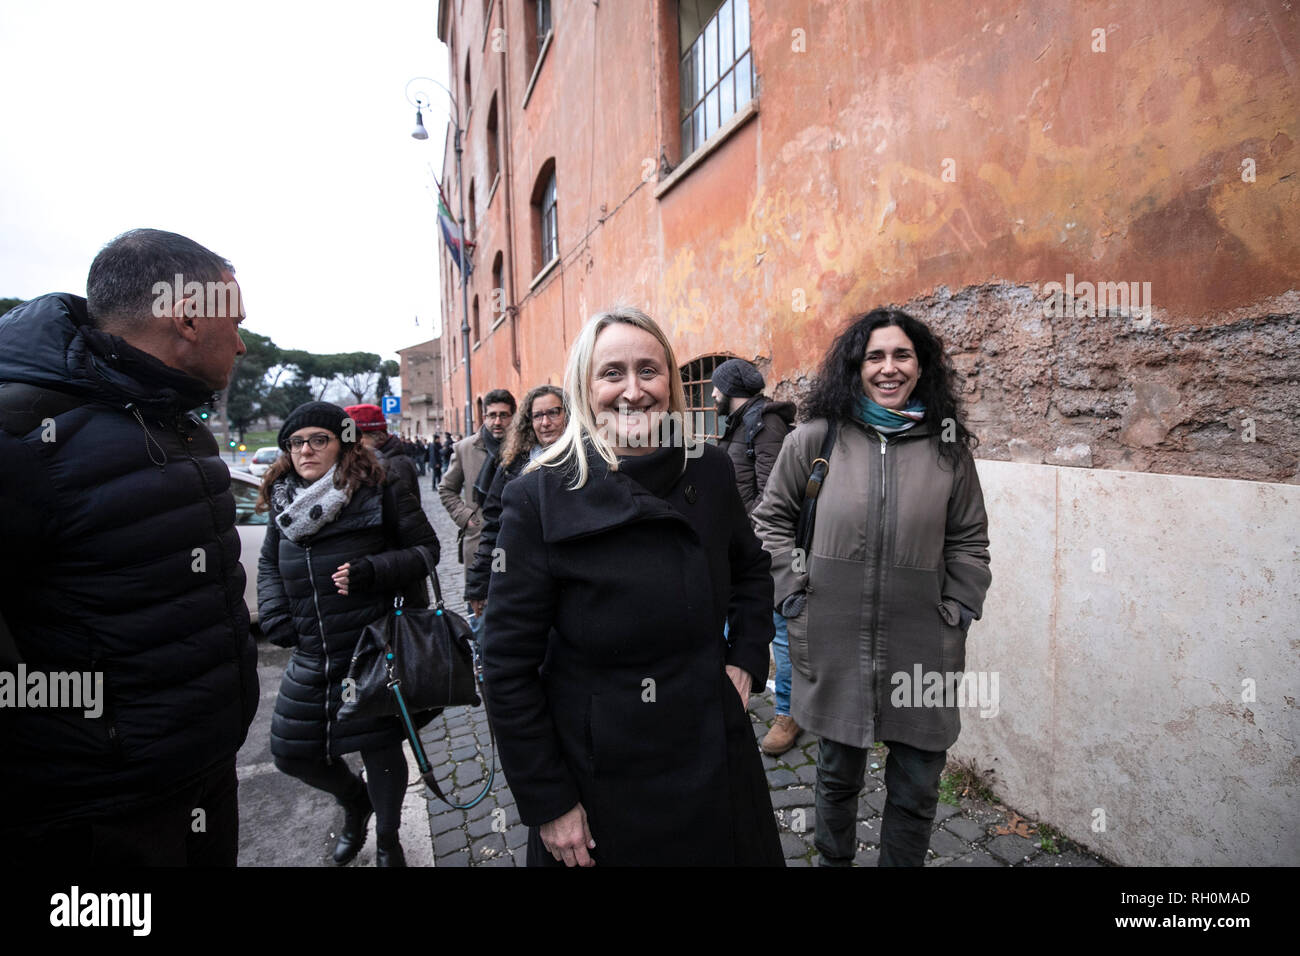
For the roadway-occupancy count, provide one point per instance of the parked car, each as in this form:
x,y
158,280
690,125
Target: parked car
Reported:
x,y
252,531
263,459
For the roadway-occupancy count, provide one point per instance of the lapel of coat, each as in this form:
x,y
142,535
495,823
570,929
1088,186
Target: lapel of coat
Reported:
x,y
608,500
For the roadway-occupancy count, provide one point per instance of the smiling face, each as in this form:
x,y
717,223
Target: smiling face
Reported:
x,y
547,424
309,462
890,368
630,387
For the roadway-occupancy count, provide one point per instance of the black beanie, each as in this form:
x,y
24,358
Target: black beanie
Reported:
x,y
313,414
737,378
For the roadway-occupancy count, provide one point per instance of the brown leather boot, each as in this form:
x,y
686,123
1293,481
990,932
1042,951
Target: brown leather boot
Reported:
x,y
781,737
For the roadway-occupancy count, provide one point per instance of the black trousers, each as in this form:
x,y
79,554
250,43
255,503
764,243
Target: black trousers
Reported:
x,y
912,796
197,827
386,773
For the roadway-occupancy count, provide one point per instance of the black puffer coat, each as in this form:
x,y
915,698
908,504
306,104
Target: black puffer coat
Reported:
x,y
118,555
381,533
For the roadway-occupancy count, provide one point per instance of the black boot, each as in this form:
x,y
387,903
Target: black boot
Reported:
x,y
388,851
356,818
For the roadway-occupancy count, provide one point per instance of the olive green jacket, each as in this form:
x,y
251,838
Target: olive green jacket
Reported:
x,y
900,542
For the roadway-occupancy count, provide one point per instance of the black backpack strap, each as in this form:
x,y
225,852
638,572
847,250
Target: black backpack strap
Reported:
x,y
821,467
24,407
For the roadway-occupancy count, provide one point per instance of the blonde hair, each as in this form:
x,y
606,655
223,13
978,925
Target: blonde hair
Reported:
x,y
569,450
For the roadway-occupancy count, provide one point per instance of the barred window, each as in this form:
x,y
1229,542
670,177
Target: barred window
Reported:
x,y
717,70
697,381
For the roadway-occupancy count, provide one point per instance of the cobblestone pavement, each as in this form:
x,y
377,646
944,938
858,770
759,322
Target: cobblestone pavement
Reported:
x,y
490,833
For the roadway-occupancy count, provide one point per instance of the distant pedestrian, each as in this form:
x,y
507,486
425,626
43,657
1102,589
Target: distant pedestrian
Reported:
x,y
435,460
897,570
345,534
464,487
619,711
392,451
120,565
542,422
755,430
421,455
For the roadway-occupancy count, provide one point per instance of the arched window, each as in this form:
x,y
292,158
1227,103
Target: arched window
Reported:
x,y
697,381
477,337
498,287
493,149
469,99
545,217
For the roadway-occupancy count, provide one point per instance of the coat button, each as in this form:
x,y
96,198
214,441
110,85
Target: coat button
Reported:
x,y
690,494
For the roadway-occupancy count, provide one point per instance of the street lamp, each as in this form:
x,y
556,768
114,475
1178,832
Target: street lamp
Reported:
x,y
420,99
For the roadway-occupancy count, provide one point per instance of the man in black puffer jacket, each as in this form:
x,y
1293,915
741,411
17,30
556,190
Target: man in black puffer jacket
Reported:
x,y
121,562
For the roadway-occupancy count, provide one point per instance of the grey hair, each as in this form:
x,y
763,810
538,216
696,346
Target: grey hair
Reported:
x,y
120,287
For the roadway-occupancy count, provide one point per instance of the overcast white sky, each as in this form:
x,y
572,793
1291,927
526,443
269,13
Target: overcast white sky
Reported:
x,y
277,133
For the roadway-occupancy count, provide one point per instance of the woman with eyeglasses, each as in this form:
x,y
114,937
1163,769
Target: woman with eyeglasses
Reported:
x,y
543,421
344,538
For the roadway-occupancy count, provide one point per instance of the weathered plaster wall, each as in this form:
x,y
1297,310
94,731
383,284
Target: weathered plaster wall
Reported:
x,y
1146,668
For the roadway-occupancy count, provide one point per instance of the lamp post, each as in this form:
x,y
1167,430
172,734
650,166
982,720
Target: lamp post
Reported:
x,y
420,99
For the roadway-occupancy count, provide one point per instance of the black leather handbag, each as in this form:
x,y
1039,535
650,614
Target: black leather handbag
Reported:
x,y
424,651
413,661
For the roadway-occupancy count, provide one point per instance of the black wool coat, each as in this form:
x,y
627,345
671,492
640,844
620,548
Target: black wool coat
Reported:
x,y
381,532
478,572
604,659
119,557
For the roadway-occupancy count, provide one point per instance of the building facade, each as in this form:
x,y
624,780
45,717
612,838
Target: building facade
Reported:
x,y
422,389
1095,206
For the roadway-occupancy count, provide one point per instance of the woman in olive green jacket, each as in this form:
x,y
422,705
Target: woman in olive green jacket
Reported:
x,y
897,568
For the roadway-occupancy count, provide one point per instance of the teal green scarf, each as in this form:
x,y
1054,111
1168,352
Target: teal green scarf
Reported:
x,y
886,420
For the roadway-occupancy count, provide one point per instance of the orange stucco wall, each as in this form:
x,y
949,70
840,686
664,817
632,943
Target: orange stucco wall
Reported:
x,y
907,153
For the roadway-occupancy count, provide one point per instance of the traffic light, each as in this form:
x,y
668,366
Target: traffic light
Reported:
x,y
233,443
243,448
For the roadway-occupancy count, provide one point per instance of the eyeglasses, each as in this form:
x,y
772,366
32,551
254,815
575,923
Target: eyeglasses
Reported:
x,y
554,414
317,441
499,416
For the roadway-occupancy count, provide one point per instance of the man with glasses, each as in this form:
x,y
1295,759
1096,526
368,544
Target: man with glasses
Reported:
x,y
465,486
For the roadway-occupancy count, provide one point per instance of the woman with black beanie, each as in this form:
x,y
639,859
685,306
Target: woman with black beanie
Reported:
x,y
343,539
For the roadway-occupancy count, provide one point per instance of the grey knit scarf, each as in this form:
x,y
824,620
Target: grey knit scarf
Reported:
x,y
302,509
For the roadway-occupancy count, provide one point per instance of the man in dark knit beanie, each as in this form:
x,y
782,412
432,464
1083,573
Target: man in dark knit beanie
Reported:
x,y
754,432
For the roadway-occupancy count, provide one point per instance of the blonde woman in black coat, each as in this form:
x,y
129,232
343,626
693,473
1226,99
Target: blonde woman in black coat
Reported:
x,y
619,710
342,540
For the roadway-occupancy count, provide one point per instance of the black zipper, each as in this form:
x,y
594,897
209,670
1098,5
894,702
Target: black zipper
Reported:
x,y
320,625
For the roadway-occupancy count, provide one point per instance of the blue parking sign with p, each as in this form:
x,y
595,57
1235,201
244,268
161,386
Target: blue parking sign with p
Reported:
x,y
392,405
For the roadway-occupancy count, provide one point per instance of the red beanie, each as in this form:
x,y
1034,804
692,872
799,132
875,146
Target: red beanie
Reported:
x,y
368,418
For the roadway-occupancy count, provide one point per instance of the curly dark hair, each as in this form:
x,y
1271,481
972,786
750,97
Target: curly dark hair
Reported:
x,y
838,386
522,438
357,465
